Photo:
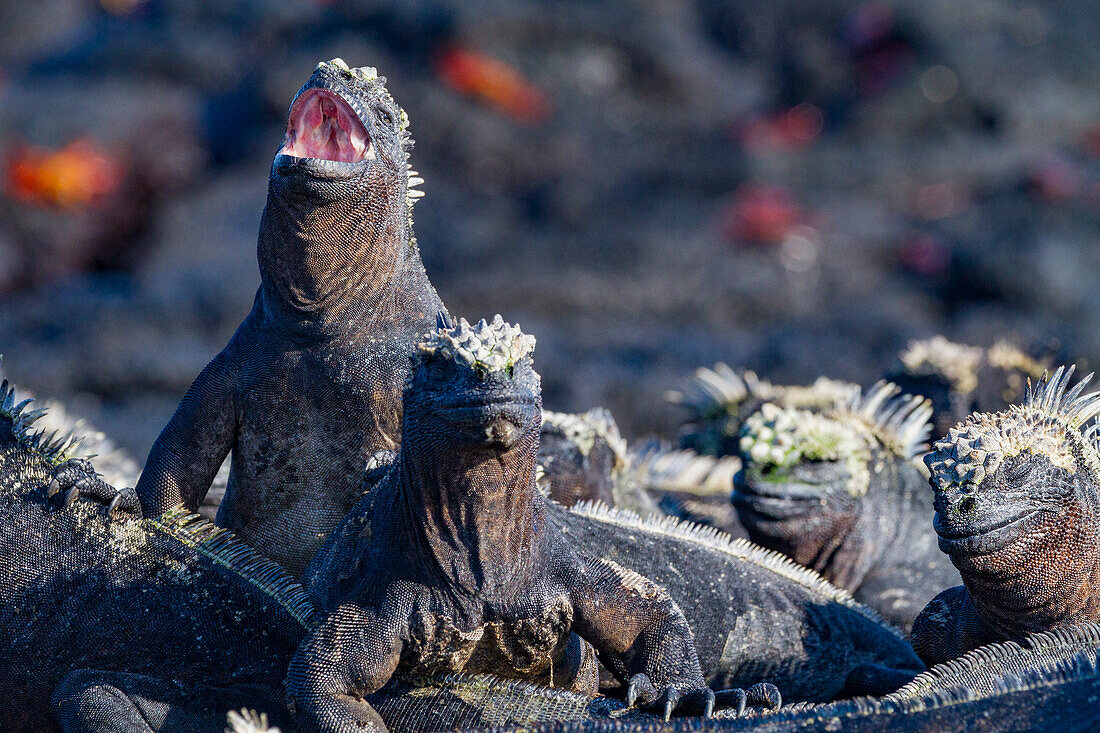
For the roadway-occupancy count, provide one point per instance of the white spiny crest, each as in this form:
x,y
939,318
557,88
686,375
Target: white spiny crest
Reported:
x,y
1049,395
900,421
662,469
491,346
712,388
52,447
248,721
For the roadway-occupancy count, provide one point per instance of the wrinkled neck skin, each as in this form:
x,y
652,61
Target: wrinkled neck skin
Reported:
x,y
471,515
330,255
1043,580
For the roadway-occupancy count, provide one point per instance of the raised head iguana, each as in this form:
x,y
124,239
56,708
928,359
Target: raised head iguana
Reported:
x,y
309,387
1017,510
449,563
960,379
840,491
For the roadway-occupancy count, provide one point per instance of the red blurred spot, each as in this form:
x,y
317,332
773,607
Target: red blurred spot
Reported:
x,y
923,254
76,175
494,82
787,131
940,200
762,214
1053,178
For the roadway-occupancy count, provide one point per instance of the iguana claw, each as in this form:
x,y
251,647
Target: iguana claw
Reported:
x,y
761,695
642,692
77,478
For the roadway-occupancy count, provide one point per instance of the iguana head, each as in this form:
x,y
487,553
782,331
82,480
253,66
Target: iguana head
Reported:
x,y
719,399
1016,485
337,225
804,474
472,387
960,379
343,125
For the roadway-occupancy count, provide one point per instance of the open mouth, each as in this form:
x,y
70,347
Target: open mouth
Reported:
x,y
985,540
321,125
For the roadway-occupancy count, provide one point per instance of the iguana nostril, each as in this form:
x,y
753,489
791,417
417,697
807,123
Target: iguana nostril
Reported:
x,y
967,504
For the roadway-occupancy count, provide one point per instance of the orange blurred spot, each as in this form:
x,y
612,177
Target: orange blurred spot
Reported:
x,y
763,214
76,175
495,83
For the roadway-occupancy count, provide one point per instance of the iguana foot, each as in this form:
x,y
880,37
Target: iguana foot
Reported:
x,y
762,695
76,477
701,702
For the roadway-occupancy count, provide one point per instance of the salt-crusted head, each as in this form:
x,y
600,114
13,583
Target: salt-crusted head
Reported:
x,y
1000,479
805,474
473,385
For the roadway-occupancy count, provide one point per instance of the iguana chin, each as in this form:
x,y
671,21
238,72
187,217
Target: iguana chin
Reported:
x,y
309,387
1017,510
839,491
449,564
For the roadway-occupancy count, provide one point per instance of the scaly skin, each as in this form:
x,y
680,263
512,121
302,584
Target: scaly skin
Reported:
x,y
1016,510
309,387
1048,682
839,491
450,565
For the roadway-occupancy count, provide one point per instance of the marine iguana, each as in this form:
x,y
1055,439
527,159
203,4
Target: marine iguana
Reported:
x,y
449,563
1016,510
840,491
695,482
584,458
118,623
1048,681
309,387
960,379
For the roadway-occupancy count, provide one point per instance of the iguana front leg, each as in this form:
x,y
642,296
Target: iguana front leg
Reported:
x,y
189,451
641,635
351,654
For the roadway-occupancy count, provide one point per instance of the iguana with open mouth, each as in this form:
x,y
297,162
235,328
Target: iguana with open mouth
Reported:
x,y
1017,510
309,387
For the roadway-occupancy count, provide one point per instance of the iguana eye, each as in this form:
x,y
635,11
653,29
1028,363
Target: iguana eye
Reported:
x,y
385,115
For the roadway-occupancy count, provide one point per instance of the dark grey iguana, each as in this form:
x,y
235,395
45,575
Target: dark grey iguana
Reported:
x,y
309,387
840,491
695,482
1017,510
960,379
584,458
118,623
1048,682
449,563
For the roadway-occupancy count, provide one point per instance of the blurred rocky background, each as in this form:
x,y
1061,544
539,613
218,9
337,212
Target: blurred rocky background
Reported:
x,y
790,186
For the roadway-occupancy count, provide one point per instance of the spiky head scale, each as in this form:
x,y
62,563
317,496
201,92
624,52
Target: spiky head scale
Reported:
x,y
491,347
1051,421
848,432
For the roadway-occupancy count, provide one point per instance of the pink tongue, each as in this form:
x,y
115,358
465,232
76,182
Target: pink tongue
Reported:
x,y
324,130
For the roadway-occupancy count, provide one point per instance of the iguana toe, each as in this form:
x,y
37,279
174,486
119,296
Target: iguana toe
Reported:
x,y
764,695
76,478
640,690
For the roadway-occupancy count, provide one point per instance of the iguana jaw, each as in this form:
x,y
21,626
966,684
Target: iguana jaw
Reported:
x,y
996,536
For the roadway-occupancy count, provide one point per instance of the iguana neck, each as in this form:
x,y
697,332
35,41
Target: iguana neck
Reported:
x,y
472,516
1040,583
331,265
